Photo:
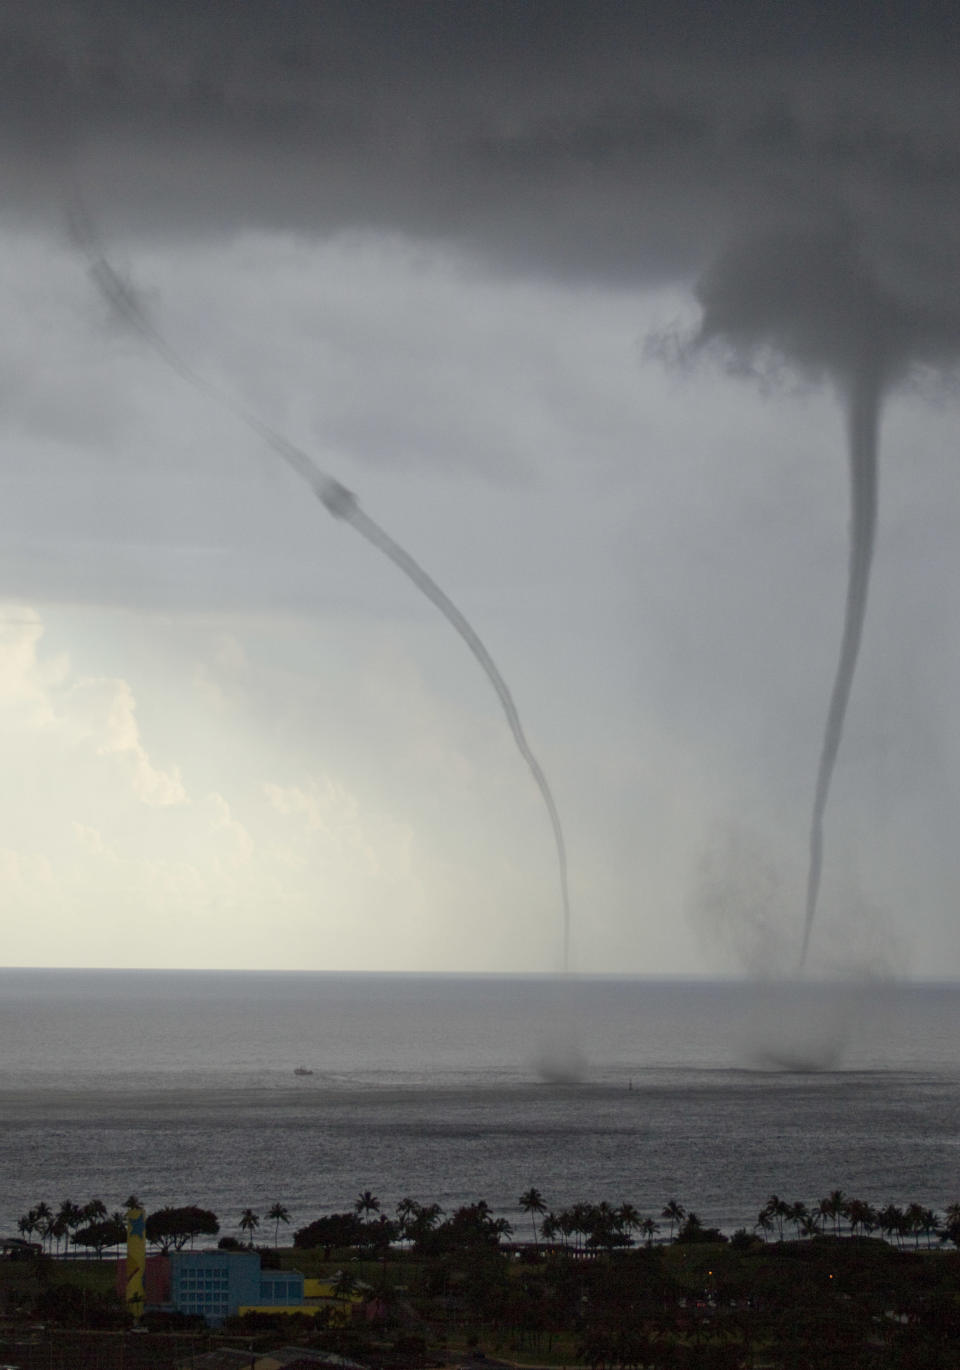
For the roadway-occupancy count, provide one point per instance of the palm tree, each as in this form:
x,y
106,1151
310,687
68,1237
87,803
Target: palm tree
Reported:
x,y
549,1227
278,1214
344,1286
778,1209
854,1209
582,1219
69,1217
863,1217
425,1218
407,1210
674,1213
602,1226
929,1224
501,1228
531,1201
798,1216
249,1222
629,1219
891,1222
43,1215
649,1227
93,1212
366,1204
913,1221
951,1227
27,1225
692,1226
834,1207
764,1221
810,1225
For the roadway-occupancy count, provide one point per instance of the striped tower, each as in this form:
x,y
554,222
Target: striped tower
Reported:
x,y
136,1261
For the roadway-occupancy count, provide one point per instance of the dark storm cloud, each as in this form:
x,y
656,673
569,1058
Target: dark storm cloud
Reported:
x,y
605,139
812,298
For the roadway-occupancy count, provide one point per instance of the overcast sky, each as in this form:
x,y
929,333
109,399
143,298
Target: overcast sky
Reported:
x,y
448,250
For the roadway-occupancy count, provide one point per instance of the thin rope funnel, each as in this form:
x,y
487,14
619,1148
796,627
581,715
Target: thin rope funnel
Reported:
x,y
339,502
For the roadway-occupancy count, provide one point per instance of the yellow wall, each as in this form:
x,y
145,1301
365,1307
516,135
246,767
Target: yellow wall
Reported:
x,y
340,1315
325,1289
136,1260
275,1308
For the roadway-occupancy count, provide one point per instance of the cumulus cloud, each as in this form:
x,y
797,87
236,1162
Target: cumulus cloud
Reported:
x,y
92,840
223,821
92,824
332,816
27,682
103,711
26,878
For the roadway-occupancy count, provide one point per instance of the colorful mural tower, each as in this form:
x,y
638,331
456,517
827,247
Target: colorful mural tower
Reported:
x,y
136,1261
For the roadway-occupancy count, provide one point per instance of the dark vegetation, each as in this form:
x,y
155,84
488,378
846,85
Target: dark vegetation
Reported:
x,y
167,1229
170,1229
594,1285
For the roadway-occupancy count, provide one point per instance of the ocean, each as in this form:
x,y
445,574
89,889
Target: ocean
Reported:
x,y
180,1087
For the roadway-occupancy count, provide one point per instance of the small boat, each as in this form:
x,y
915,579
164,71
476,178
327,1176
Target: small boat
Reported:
x,y
302,1070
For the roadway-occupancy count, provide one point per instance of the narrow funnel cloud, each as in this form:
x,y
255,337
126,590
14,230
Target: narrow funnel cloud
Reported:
x,y
340,503
375,535
810,300
864,401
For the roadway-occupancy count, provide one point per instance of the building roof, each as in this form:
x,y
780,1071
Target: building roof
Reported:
x,y
301,1363
297,1357
225,1358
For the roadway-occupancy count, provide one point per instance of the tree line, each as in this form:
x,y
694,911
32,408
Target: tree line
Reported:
x,y
426,1226
837,1213
90,1225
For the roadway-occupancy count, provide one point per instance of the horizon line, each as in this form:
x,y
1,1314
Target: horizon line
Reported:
x,y
647,977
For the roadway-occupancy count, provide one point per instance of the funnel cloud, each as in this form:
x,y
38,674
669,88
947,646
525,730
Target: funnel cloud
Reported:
x,y
341,504
810,300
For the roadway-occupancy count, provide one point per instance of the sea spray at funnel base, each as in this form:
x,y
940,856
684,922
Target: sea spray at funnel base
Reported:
x,y
341,503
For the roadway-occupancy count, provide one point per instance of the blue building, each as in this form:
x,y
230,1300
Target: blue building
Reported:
x,y
217,1284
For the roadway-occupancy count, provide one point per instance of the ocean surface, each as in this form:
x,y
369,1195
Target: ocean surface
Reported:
x,y
180,1086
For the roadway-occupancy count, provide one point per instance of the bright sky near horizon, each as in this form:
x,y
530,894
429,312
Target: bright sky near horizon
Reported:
x,y
432,254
